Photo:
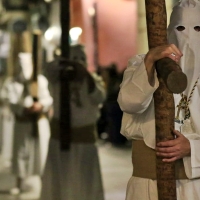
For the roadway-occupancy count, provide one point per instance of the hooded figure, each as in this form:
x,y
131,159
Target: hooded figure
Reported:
x,y
184,32
31,128
77,172
136,101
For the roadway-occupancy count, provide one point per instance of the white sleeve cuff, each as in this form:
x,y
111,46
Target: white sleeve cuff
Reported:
x,y
192,163
140,79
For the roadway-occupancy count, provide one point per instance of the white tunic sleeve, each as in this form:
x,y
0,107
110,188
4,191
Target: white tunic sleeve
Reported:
x,y
192,163
136,93
136,101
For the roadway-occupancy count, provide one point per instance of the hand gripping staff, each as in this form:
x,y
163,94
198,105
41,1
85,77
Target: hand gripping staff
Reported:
x,y
37,63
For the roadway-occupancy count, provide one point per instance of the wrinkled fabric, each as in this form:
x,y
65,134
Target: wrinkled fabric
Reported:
x,y
136,100
146,189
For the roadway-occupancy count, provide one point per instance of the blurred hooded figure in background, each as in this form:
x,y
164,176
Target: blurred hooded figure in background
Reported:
x,y
31,128
6,116
78,169
139,121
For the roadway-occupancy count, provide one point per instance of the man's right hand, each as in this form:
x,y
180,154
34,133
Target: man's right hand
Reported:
x,y
157,53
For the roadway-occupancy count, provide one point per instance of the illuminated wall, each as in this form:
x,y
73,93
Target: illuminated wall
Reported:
x,y
116,20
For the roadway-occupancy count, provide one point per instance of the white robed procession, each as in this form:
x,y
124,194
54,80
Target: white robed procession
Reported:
x,y
31,137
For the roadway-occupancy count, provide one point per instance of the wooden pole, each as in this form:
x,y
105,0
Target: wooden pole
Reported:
x,y
37,62
65,121
164,102
95,34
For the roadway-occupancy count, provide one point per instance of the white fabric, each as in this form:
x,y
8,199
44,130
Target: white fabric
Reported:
x,y
188,41
6,129
137,103
146,189
142,125
7,122
29,153
4,44
135,99
25,61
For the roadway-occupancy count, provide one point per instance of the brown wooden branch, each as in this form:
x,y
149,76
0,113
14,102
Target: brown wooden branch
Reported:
x,y
172,75
171,79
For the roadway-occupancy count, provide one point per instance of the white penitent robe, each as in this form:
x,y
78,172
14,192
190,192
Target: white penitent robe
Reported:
x,y
136,100
6,130
78,171
29,151
6,126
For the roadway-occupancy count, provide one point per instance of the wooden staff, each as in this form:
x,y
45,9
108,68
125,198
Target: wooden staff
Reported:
x,y
37,62
95,35
171,79
65,119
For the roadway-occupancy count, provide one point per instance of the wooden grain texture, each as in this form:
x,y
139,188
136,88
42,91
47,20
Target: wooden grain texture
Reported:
x,y
164,102
172,75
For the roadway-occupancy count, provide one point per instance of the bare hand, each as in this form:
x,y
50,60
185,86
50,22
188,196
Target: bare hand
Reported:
x,y
174,149
157,53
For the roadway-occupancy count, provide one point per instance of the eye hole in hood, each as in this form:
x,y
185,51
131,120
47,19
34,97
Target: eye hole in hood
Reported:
x,y
197,28
180,28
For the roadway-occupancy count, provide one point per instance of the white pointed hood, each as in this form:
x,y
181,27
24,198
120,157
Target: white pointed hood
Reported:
x,y
184,32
